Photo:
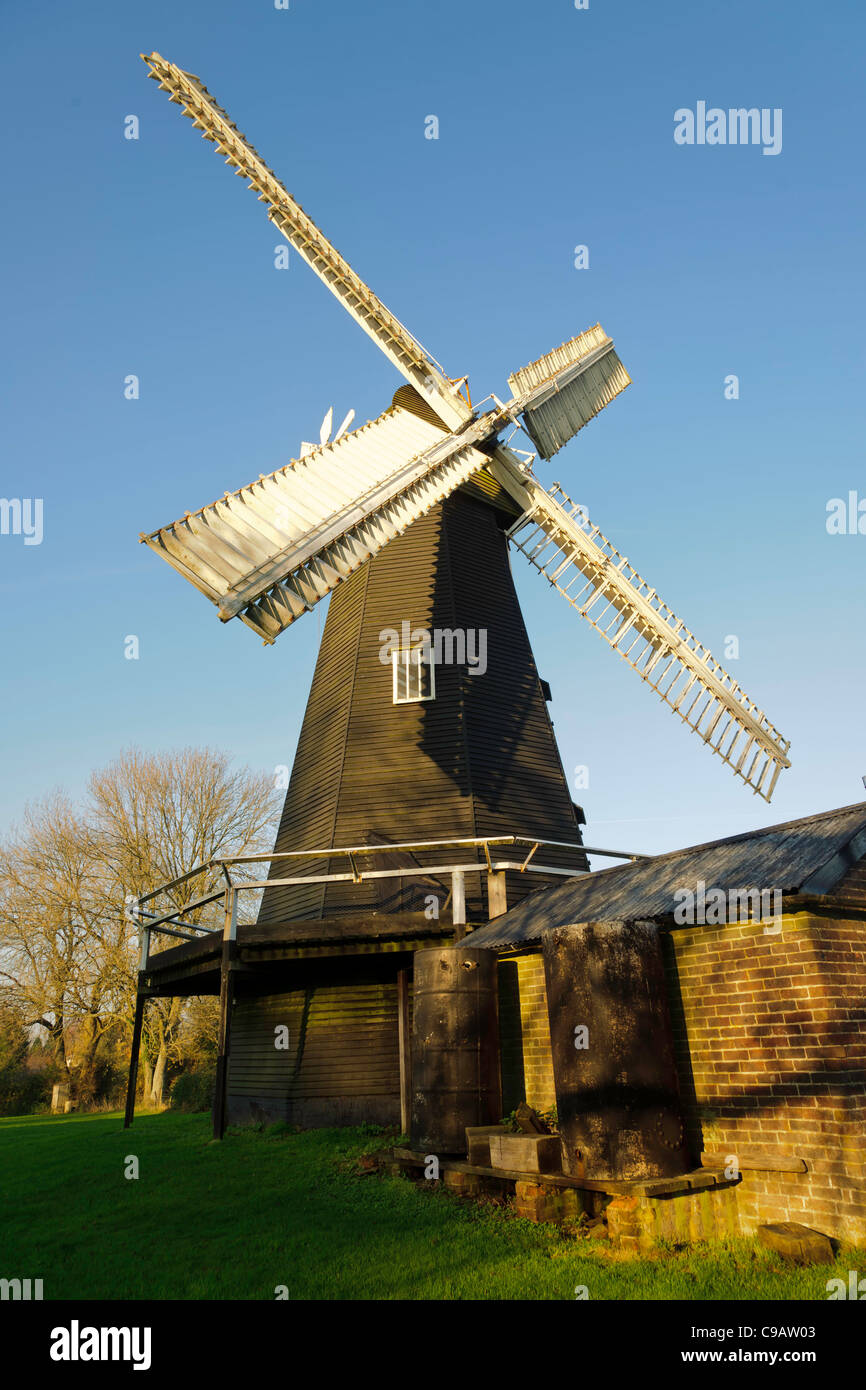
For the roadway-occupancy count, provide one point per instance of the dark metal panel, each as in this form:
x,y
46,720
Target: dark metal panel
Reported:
x,y
617,1093
455,1048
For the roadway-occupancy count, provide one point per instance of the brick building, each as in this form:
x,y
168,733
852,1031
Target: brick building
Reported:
x,y
769,1013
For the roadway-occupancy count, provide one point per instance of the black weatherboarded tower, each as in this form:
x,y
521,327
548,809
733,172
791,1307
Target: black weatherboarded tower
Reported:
x,y
475,757
472,755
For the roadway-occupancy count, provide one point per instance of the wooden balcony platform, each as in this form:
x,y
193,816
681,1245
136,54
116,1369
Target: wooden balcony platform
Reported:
x,y
194,966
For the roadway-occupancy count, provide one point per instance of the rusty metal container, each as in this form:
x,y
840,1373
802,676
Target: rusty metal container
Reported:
x,y
455,1047
617,1091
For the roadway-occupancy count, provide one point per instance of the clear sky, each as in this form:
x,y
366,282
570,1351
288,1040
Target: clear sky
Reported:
x,y
556,129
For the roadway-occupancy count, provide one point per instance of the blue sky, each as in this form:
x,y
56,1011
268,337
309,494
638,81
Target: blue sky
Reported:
x,y
555,129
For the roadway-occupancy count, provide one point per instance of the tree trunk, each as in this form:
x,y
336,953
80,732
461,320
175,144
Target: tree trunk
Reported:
x,y
87,1056
158,1076
58,1041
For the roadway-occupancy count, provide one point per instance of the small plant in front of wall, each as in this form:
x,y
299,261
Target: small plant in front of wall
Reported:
x,y
280,1129
525,1120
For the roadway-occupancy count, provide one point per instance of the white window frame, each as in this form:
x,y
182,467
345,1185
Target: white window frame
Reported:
x,y
410,657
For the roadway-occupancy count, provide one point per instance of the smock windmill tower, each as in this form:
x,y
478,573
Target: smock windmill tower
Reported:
x,y
406,522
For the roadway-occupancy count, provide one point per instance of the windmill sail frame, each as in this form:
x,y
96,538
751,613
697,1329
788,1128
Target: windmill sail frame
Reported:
x,y
366,308
662,650
269,552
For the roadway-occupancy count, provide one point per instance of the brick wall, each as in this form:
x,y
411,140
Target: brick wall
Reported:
x,y
771,1042
524,1034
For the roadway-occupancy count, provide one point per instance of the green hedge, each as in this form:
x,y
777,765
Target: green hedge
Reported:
x,y
193,1090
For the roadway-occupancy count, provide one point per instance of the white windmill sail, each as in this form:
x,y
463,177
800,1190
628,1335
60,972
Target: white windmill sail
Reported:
x,y
397,343
608,592
344,424
563,390
325,431
268,552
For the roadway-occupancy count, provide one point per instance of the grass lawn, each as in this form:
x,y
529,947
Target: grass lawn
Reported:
x,y
234,1220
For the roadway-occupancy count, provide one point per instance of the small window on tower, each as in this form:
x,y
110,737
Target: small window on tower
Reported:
x,y
413,674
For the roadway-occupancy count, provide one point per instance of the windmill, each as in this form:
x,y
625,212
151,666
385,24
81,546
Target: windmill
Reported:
x,y
426,734
270,551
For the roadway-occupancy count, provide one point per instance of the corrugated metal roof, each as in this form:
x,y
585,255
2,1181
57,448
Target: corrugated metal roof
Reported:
x,y
809,855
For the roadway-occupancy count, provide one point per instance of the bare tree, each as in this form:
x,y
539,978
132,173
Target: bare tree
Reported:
x,y
67,948
63,949
160,815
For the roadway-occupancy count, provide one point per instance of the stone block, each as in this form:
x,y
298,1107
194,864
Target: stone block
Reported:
x,y
60,1102
526,1153
478,1143
798,1243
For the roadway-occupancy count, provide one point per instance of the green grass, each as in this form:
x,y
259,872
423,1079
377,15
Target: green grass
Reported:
x,y
236,1219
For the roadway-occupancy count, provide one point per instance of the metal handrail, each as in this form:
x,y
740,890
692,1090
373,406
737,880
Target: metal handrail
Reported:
x,y
333,851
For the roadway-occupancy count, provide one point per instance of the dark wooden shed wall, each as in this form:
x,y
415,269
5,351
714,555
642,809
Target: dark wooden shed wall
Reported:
x,y
342,1063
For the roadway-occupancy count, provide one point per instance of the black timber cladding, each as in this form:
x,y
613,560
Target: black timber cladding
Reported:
x,y
819,854
478,759
341,1063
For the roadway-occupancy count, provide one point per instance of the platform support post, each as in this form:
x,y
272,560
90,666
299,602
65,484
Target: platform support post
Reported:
x,y
227,963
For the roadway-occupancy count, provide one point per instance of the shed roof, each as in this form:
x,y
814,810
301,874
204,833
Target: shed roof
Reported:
x,y
801,856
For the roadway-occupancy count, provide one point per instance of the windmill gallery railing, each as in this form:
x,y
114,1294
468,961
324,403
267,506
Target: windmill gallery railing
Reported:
x,y
173,923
